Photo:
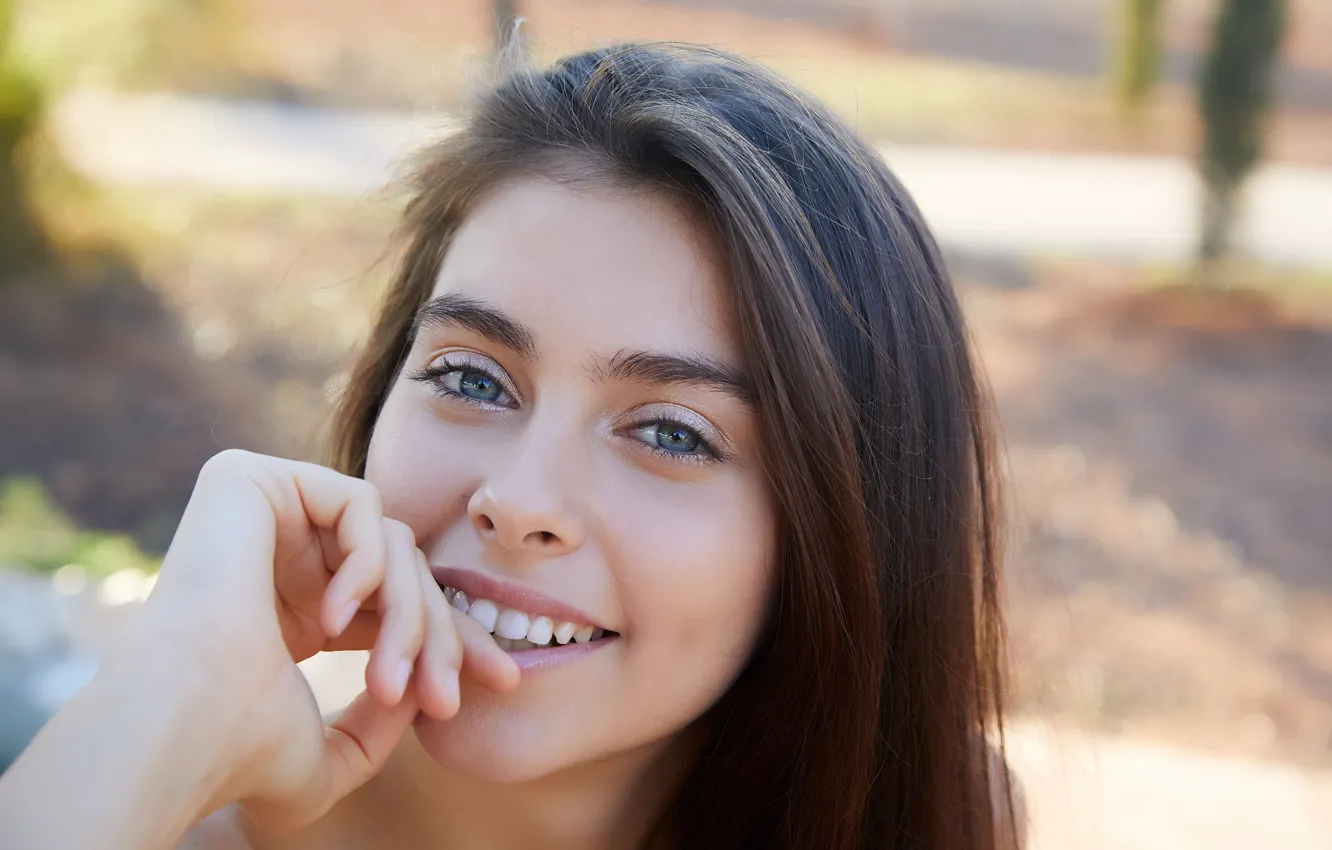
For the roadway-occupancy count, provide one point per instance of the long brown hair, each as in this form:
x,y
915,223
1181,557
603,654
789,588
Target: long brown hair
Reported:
x,y
870,712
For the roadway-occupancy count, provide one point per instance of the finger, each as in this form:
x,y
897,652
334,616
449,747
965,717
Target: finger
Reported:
x,y
353,585
483,661
348,506
441,653
350,591
401,614
351,509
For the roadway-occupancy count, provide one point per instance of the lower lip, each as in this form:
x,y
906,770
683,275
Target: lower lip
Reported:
x,y
546,657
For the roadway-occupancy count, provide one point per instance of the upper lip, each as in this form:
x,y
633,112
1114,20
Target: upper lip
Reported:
x,y
509,595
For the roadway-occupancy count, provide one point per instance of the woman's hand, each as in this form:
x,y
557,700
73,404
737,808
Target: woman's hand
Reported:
x,y
273,561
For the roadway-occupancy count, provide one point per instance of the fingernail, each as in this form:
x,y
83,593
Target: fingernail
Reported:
x,y
345,618
401,675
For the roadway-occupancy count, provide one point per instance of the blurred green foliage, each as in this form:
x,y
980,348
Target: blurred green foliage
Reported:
x,y
1137,52
1235,94
22,242
36,536
48,46
127,43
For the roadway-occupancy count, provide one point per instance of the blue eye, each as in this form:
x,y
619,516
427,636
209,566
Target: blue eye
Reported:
x,y
477,385
673,438
676,439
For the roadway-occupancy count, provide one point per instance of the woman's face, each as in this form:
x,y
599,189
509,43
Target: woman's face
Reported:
x,y
570,439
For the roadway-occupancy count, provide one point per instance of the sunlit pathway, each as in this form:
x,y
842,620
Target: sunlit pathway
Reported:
x,y
976,200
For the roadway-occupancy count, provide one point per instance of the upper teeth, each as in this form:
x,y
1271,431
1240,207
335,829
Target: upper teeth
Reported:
x,y
514,629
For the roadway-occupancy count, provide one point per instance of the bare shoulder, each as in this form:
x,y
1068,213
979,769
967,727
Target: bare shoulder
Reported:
x,y
219,831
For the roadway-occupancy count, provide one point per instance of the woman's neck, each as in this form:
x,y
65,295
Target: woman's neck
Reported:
x,y
610,804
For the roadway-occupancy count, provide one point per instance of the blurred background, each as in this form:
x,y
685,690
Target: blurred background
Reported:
x,y
196,206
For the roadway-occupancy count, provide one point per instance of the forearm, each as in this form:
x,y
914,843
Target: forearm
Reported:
x,y
122,765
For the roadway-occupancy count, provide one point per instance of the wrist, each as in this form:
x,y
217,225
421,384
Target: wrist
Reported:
x,y
125,764
208,718
172,737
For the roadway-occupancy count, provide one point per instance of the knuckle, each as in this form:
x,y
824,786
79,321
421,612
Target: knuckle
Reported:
x,y
226,462
400,582
370,494
400,533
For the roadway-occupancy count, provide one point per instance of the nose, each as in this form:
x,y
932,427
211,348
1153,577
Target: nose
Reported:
x,y
527,505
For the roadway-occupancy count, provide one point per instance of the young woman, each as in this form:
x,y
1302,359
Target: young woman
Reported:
x,y
663,495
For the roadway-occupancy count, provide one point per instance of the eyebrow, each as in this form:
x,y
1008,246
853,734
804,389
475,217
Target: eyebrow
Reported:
x,y
644,367
649,367
455,310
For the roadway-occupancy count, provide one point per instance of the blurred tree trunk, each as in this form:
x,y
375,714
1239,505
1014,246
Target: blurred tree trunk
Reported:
x,y
1137,52
22,243
1234,97
503,14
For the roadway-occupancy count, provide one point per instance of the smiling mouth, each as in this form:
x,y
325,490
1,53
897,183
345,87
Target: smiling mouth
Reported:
x,y
517,630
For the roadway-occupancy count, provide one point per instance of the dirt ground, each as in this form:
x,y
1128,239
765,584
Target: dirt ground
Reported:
x,y
1170,450
1170,453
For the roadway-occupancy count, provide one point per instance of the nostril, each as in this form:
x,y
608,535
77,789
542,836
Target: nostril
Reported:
x,y
540,538
485,523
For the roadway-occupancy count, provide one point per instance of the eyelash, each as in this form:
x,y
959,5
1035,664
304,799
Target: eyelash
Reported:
x,y
435,373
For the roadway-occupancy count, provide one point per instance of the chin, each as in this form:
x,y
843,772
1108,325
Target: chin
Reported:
x,y
494,743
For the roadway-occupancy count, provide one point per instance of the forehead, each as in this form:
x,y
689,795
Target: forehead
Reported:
x,y
595,268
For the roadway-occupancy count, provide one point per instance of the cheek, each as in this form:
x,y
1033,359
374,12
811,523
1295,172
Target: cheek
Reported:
x,y
422,473
701,569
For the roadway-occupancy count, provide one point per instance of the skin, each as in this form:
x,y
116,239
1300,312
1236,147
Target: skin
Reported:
x,y
632,536
577,481
562,487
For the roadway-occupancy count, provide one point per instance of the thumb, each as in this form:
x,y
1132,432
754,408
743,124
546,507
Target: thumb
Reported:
x,y
360,741
356,747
